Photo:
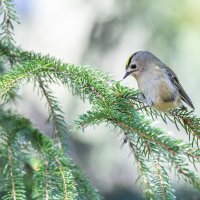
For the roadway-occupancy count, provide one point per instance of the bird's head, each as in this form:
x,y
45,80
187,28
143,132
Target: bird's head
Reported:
x,y
138,63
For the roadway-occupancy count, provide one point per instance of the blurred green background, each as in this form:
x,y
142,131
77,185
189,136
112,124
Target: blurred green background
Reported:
x,y
103,34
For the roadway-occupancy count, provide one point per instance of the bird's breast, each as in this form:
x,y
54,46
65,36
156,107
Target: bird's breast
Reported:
x,y
160,92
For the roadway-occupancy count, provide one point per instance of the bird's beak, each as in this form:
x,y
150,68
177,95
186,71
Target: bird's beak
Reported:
x,y
127,73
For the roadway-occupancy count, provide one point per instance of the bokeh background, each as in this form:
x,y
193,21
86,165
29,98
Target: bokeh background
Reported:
x,y
102,34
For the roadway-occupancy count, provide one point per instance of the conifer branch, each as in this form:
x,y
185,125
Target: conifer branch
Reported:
x,y
188,121
8,13
156,136
12,180
180,117
166,191
158,167
113,104
144,173
46,181
56,68
11,172
60,133
184,171
54,164
63,178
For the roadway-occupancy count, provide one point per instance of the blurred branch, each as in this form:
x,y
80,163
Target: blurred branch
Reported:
x,y
53,174
8,13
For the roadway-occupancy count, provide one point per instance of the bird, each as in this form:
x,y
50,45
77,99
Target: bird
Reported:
x,y
158,85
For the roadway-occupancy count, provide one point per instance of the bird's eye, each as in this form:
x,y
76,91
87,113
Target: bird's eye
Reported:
x,y
133,66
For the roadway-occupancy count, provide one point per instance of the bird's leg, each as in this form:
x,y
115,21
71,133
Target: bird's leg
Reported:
x,y
141,97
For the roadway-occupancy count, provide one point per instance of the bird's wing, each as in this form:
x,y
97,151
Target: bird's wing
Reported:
x,y
176,82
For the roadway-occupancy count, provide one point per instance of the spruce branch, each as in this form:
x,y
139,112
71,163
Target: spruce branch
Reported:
x,y
183,170
189,121
53,179
56,171
60,130
126,122
181,117
155,178
144,173
10,158
57,176
63,177
166,190
9,18
113,104
46,181
101,95
92,118
11,165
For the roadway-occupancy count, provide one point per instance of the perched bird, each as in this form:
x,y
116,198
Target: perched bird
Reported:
x,y
158,85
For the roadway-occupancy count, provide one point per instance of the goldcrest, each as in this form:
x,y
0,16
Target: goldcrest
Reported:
x,y
158,85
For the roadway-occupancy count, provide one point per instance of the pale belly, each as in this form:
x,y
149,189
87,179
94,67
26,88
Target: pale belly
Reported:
x,y
166,106
161,95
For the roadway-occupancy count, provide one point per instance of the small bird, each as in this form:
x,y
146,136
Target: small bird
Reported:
x,y
158,85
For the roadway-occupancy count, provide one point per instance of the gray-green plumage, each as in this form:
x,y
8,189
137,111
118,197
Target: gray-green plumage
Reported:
x,y
156,81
